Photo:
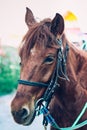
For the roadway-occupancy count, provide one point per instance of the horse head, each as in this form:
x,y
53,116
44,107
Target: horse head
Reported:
x,y
38,60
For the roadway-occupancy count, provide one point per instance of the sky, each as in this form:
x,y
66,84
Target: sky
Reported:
x,y
12,15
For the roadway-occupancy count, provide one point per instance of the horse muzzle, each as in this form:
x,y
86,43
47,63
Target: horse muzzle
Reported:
x,y
24,116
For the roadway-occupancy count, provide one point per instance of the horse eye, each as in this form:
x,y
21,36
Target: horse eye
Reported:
x,y
49,60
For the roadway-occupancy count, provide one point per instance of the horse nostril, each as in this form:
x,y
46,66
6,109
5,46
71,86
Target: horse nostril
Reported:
x,y
23,113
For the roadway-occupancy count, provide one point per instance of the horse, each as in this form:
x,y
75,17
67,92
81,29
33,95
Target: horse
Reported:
x,y
52,76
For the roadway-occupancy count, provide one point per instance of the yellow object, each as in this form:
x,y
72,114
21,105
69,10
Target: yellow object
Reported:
x,y
69,16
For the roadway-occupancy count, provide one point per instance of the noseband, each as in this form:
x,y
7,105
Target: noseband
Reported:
x,y
35,84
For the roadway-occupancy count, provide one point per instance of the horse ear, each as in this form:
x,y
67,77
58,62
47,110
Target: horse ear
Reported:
x,y
57,25
29,18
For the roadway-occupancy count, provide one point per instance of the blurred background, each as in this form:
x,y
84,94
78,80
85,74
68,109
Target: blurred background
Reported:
x,y
12,30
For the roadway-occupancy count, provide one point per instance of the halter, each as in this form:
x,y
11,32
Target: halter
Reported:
x,y
41,106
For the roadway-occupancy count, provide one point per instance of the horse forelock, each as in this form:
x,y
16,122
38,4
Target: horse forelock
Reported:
x,y
39,35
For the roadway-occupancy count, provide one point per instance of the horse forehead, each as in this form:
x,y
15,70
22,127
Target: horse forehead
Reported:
x,y
37,51
34,52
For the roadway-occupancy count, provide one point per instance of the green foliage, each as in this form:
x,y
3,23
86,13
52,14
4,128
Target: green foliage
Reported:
x,y
9,70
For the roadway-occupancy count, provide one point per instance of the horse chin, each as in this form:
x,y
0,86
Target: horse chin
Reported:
x,y
29,119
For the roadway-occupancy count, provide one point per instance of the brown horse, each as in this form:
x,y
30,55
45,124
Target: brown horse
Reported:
x,y
45,58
